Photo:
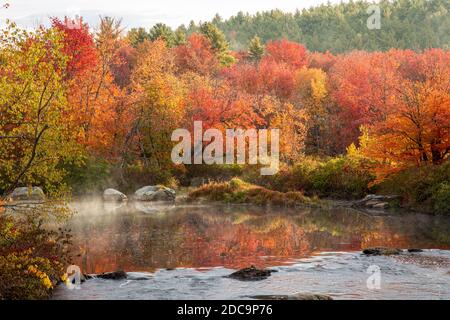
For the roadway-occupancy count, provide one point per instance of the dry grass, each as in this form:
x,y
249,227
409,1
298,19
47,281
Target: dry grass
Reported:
x,y
238,191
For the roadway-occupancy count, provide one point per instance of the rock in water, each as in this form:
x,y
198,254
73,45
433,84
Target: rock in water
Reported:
x,y
114,195
155,193
380,251
296,296
412,250
376,201
250,274
116,275
27,193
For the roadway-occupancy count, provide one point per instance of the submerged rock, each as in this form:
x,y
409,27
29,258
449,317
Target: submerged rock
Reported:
x,y
250,274
381,251
27,193
296,296
412,250
114,195
155,193
116,275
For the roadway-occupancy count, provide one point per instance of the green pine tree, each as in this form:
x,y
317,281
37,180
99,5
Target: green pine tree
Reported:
x,y
255,49
164,32
219,43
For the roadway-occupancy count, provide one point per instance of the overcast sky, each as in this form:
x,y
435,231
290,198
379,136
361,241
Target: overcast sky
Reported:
x,y
30,13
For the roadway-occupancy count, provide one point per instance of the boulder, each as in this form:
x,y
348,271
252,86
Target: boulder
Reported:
x,y
155,193
296,296
381,251
27,193
250,274
114,195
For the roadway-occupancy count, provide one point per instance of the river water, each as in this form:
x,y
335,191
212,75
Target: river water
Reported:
x,y
184,252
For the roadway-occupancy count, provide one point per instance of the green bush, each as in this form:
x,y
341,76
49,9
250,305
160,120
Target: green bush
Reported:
x,y
341,177
441,198
425,188
91,177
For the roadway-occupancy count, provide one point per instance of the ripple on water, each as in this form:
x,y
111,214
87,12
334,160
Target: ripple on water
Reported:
x,y
341,275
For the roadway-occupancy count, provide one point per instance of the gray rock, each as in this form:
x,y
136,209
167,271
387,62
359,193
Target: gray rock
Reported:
x,y
155,193
114,195
27,193
296,296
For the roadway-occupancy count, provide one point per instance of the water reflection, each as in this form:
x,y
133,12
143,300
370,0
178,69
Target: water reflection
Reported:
x,y
134,237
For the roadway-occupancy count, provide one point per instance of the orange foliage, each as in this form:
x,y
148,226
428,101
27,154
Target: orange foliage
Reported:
x,y
197,56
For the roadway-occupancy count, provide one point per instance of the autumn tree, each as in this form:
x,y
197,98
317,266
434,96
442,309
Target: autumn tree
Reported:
x,y
284,51
35,138
312,98
196,56
363,86
158,109
415,129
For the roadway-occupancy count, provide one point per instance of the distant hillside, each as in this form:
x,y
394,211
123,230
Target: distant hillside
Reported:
x,y
405,24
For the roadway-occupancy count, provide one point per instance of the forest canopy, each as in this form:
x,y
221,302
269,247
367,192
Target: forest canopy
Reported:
x,y
94,106
405,24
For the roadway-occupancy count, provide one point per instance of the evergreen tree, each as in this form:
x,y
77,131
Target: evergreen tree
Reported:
x,y
164,32
180,35
219,43
137,36
255,49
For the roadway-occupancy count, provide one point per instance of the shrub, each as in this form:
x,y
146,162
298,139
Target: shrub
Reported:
x,y
342,177
91,177
425,187
32,259
441,198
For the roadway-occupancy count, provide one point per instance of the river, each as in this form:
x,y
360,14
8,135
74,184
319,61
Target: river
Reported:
x,y
184,252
